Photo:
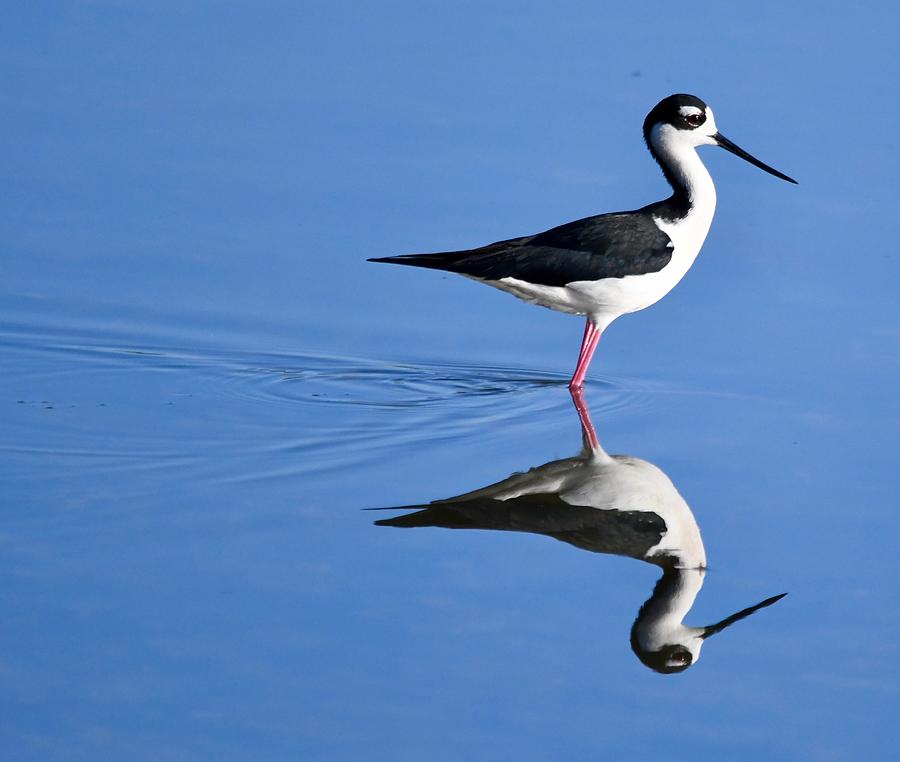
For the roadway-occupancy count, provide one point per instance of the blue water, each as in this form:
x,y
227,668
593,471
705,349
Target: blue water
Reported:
x,y
204,385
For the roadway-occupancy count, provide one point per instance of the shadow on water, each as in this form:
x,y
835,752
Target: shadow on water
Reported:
x,y
613,504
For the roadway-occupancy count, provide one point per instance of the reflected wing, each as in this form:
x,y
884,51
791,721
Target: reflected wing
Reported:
x,y
623,533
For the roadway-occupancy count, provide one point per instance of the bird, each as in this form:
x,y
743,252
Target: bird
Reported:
x,y
613,504
609,265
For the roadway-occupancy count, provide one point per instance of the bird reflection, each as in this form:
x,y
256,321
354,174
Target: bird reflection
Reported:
x,y
615,504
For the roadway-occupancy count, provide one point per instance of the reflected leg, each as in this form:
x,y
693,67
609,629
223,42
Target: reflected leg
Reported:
x,y
588,435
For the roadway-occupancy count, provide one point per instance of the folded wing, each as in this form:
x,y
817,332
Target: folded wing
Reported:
x,y
590,249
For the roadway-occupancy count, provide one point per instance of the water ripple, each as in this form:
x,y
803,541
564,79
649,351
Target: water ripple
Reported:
x,y
230,414
351,381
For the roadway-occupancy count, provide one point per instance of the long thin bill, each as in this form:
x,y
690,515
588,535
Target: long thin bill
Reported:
x,y
713,629
738,151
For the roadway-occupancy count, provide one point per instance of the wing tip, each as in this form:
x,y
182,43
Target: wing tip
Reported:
x,y
431,261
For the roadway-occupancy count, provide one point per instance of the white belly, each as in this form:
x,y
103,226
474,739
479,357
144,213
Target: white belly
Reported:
x,y
604,300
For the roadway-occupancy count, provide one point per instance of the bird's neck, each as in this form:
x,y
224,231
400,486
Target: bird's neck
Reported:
x,y
693,192
663,613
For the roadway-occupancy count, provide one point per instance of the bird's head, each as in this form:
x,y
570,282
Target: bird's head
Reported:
x,y
669,647
686,121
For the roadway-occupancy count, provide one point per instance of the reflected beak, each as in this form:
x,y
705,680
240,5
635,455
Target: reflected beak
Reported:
x,y
713,629
725,143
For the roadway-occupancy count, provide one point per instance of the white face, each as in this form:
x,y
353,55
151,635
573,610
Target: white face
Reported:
x,y
699,125
691,645
694,127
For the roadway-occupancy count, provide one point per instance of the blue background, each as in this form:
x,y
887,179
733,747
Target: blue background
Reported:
x,y
203,381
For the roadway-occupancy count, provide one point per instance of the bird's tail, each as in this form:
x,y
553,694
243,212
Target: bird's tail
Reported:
x,y
443,261
430,516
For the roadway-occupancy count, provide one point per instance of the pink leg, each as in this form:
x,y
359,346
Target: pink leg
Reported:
x,y
588,345
588,435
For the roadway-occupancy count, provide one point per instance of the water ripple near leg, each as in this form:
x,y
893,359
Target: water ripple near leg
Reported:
x,y
374,384
223,414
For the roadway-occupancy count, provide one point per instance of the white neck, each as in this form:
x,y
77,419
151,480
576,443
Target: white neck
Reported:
x,y
660,619
686,172
692,184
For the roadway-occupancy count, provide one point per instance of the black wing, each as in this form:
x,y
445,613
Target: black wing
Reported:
x,y
622,533
594,248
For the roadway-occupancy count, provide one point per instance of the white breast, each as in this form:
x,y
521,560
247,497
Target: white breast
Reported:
x,y
618,296
605,300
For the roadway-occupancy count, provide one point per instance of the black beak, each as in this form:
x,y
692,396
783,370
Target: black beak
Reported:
x,y
713,629
737,151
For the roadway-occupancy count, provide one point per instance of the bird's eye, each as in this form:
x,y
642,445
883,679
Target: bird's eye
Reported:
x,y
695,120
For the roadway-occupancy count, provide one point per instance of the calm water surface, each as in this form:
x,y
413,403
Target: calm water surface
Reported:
x,y
189,571
205,390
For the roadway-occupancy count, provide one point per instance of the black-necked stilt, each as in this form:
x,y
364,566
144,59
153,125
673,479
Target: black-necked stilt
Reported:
x,y
611,264
615,504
